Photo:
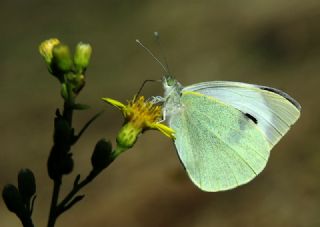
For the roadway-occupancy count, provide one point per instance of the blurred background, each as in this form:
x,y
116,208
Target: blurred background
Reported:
x,y
269,42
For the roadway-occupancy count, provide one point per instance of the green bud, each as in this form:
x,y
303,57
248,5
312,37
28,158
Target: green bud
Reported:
x,y
79,84
62,60
128,135
26,184
102,155
45,49
82,56
76,81
13,200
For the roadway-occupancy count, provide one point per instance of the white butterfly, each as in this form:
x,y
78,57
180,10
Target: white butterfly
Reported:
x,y
225,130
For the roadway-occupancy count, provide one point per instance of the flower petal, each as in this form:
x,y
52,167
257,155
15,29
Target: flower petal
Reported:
x,y
167,131
115,103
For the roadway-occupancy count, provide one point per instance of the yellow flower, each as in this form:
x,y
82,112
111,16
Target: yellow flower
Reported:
x,y
140,115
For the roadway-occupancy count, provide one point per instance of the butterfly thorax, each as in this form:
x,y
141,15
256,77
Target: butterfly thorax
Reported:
x,y
172,94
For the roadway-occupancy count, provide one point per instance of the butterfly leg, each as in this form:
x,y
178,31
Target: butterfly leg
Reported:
x,y
163,116
156,99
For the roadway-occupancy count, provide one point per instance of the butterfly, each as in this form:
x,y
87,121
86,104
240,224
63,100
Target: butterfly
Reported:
x,y
224,131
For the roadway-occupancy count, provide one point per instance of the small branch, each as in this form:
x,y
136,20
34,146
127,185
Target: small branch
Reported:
x,y
69,205
65,203
76,181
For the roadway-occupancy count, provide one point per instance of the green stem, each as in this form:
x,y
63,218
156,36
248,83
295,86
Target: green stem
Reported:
x,y
63,206
67,112
70,200
53,214
118,151
54,201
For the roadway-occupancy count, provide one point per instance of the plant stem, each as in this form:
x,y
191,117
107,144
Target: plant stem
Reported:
x,y
27,222
54,201
70,200
66,202
67,112
53,214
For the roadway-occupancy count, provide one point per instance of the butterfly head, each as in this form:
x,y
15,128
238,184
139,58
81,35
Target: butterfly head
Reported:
x,y
170,85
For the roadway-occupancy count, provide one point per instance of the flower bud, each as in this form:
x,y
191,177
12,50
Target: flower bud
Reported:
x,y
82,56
102,155
128,135
59,162
77,82
13,200
26,184
62,60
67,164
45,49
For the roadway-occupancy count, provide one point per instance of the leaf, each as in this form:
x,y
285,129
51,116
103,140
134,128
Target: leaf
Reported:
x,y
86,126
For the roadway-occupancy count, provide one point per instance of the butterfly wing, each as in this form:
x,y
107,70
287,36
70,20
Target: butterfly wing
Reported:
x,y
272,109
218,145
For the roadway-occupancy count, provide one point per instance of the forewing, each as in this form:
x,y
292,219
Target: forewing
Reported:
x,y
218,145
273,110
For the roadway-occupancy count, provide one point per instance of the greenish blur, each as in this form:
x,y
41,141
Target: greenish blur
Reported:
x,y
269,42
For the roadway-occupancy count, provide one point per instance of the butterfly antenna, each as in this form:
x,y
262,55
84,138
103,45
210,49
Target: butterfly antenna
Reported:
x,y
163,56
152,55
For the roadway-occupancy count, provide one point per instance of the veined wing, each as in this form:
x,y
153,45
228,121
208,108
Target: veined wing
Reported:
x,y
273,110
218,145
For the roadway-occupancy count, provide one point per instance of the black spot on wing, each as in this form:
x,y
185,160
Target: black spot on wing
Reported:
x,y
252,118
283,94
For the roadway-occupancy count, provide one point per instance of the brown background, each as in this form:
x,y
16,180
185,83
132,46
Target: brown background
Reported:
x,y
269,42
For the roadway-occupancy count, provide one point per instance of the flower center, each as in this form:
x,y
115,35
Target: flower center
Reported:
x,y
143,113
